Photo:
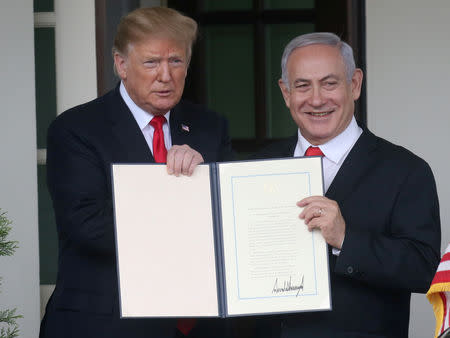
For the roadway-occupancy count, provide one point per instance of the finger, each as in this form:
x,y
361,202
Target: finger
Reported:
x,y
314,224
170,160
308,215
196,160
305,209
311,211
312,199
178,162
186,162
312,214
302,215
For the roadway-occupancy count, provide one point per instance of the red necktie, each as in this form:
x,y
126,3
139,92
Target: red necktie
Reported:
x,y
159,148
185,325
314,151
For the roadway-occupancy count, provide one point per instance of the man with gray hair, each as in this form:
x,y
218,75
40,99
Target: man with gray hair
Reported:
x,y
380,213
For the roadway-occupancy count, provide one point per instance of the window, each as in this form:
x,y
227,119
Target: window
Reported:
x,y
44,51
236,61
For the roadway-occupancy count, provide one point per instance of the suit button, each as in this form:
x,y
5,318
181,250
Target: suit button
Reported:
x,y
350,270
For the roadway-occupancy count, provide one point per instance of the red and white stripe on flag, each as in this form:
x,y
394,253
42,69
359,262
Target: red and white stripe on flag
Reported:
x,y
439,294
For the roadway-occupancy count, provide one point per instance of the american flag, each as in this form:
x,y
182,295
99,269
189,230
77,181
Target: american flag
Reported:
x,y
185,127
439,294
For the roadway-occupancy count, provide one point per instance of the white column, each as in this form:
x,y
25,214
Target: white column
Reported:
x,y
76,69
18,177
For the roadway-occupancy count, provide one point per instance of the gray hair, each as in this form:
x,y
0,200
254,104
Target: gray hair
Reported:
x,y
318,39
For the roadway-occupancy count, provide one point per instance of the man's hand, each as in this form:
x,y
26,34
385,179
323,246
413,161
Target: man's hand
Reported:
x,y
322,213
182,160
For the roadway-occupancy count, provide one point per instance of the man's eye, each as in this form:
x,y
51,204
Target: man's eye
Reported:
x,y
330,84
176,61
301,86
151,63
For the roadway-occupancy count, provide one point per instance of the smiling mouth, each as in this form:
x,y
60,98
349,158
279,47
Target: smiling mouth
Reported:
x,y
320,114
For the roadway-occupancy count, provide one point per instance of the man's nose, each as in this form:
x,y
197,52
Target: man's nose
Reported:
x,y
316,98
164,72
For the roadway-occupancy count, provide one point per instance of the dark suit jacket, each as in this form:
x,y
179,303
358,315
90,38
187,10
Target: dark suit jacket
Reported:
x,y
388,199
82,144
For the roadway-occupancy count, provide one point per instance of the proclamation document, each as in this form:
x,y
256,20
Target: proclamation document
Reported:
x,y
272,262
227,241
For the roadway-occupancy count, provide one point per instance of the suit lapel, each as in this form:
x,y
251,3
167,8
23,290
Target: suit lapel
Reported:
x,y
279,149
127,141
360,159
288,146
182,130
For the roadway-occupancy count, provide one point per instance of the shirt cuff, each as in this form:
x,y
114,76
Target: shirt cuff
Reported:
x,y
336,251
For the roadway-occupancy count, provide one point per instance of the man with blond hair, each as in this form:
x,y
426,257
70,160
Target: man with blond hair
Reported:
x,y
142,120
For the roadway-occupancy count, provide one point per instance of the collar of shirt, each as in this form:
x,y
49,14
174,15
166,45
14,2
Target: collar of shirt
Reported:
x,y
143,120
141,116
335,149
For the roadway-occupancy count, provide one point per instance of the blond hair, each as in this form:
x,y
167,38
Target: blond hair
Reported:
x,y
141,23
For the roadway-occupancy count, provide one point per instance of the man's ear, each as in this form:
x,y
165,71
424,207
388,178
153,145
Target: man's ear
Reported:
x,y
120,63
285,91
357,83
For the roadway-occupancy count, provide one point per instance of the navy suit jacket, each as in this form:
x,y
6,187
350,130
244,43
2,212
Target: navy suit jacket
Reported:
x,y
388,199
82,144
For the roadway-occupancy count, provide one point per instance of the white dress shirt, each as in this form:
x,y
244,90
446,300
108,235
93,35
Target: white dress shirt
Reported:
x,y
143,120
335,151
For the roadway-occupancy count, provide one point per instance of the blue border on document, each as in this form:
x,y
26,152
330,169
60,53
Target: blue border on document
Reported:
x,y
235,238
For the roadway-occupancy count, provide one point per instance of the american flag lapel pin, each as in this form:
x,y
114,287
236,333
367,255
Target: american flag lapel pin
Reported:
x,y
185,128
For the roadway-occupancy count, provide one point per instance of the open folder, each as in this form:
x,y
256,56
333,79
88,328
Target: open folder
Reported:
x,y
226,241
